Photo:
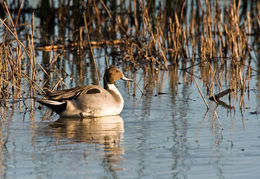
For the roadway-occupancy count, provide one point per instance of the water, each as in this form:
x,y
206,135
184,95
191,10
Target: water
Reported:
x,y
171,135
167,133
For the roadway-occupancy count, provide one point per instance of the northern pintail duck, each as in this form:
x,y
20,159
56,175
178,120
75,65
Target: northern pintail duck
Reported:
x,y
89,101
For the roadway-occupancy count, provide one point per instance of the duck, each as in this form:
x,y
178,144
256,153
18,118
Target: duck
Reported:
x,y
90,100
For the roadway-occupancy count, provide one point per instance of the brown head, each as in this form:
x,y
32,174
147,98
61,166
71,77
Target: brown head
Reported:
x,y
112,74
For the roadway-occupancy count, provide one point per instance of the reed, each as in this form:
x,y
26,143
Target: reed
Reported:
x,y
212,37
17,67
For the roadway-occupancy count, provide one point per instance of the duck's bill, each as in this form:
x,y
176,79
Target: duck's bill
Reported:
x,y
126,79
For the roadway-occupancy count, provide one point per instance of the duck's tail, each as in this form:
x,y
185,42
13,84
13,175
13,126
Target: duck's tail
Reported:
x,y
56,106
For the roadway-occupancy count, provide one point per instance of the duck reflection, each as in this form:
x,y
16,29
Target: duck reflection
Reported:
x,y
106,131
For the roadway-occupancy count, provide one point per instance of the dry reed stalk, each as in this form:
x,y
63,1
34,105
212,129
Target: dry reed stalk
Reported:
x,y
248,79
15,36
61,80
135,16
107,63
1,69
39,90
32,59
18,13
97,15
109,14
14,59
53,59
10,17
161,49
221,34
80,37
258,19
89,45
201,93
14,32
57,84
243,86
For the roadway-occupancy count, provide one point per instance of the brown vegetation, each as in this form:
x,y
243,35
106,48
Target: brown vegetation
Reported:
x,y
218,38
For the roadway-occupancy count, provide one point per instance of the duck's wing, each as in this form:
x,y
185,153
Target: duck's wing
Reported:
x,y
73,92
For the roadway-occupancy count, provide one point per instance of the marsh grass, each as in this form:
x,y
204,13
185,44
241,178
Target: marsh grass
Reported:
x,y
18,65
218,38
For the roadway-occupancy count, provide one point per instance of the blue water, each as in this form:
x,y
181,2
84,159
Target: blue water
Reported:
x,y
166,135
171,135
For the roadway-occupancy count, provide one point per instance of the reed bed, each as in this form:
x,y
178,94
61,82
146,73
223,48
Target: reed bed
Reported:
x,y
18,70
218,38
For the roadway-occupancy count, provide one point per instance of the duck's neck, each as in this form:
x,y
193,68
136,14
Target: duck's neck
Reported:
x,y
113,88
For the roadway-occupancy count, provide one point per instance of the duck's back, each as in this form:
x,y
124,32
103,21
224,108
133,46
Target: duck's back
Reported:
x,y
94,101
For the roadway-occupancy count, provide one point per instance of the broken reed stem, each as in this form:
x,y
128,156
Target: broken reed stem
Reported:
x,y
221,94
200,92
91,51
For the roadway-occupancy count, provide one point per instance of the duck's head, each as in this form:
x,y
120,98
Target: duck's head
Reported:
x,y
112,74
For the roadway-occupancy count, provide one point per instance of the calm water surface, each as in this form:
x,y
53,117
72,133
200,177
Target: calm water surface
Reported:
x,y
166,135
171,135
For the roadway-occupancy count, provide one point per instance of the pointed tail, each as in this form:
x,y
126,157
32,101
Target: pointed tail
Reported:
x,y
56,106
